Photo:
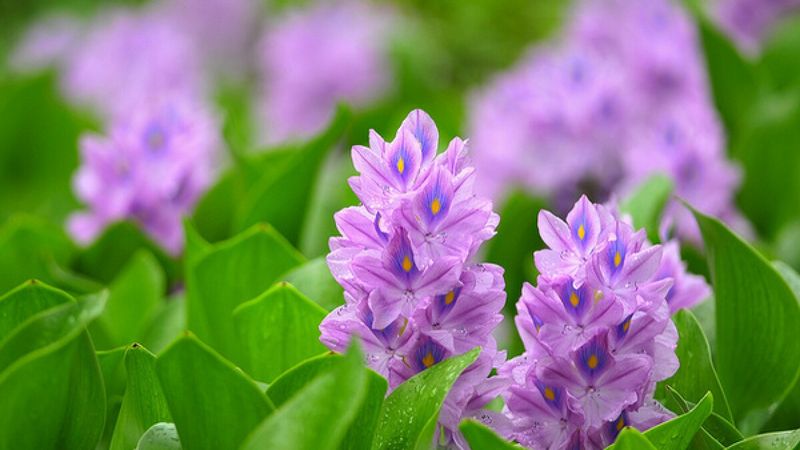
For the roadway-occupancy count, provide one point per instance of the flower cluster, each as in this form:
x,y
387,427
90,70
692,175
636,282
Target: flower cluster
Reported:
x,y
314,58
151,168
412,296
748,21
597,331
622,96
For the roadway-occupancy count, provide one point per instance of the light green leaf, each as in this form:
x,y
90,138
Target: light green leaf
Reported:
x,y
135,296
282,199
234,272
144,404
481,437
757,318
416,402
314,279
676,434
295,379
303,423
214,405
26,300
168,323
53,393
161,436
631,439
784,440
647,202
696,374
30,248
716,432
277,330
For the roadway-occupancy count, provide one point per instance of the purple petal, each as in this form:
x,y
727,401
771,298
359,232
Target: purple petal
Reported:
x,y
424,130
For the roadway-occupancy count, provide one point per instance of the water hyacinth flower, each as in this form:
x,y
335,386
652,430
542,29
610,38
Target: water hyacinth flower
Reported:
x,y
596,330
620,96
413,296
314,58
151,168
748,22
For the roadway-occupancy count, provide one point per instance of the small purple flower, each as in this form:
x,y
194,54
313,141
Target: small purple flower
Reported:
x,y
151,168
597,331
314,58
412,295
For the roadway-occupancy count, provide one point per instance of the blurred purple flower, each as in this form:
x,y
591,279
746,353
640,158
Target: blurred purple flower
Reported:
x,y
748,21
412,297
621,97
314,58
151,168
48,43
597,332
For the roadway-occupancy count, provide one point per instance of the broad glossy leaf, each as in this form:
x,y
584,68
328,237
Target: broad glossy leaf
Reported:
x,y
677,434
716,432
106,257
135,297
111,364
52,395
315,281
234,272
168,323
631,439
416,402
757,317
303,423
213,404
31,248
696,374
21,303
283,199
295,379
277,330
144,404
783,440
481,437
647,202
161,436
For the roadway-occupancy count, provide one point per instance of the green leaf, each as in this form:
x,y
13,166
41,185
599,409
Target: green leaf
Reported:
x,y
416,402
785,440
295,379
53,396
167,325
646,204
340,390
283,199
234,272
135,297
277,330
161,436
678,433
214,405
757,318
696,374
314,279
779,51
111,364
25,301
31,248
107,255
734,82
631,439
716,430
481,437
144,404
361,433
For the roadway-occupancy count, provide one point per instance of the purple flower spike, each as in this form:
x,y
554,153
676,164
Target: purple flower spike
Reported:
x,y
597,331
414,297
151,168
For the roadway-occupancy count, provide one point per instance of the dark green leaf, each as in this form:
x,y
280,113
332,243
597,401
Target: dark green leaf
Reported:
x,y
277,330
214,405
314,279
757,318
481,437
144,404
234,272
647,202
677,433
161,436
283,199
779,53
416,403
340,390
696,374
